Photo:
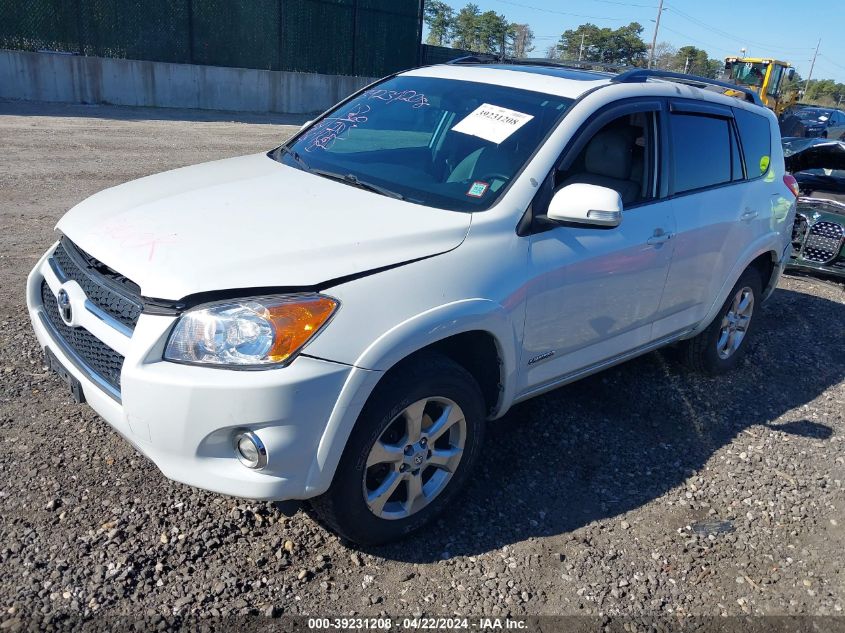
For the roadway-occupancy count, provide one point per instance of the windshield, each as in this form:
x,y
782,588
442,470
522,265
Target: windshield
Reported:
x,y
444,143
748,74
813,115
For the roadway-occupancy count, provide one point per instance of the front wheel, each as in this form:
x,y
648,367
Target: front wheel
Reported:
x,y
723,344
412,449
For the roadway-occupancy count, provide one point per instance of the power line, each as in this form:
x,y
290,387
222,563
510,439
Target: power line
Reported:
x,y
730,36
627,4
830,61
577,15
697,41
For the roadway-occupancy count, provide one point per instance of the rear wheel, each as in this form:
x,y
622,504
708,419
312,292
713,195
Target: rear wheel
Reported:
x,y
723,344
412,449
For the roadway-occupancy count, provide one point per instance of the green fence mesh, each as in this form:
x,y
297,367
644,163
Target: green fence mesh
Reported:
x,y
349,37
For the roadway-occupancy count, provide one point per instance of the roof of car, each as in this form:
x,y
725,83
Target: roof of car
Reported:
x,y
564,81
570,83
576,74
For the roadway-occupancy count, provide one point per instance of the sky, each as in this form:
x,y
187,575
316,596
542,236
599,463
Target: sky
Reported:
x,y
787,30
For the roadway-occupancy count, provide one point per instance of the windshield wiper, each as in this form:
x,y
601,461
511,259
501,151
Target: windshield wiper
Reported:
x,y
284,149
352,179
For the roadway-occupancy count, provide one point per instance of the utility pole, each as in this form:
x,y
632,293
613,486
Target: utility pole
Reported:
x,y
686,66
812,65
581,50
654,39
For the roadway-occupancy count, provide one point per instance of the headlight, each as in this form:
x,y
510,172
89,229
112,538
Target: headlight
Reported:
x,y
248,333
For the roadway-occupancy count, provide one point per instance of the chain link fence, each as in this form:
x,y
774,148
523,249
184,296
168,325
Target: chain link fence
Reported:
x,y
346,37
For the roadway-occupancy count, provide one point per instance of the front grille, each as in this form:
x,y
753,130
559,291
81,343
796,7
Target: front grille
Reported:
x,y
823,243
100,358
100,283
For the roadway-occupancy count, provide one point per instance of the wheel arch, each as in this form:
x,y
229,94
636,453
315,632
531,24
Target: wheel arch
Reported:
x,y
474,333
764,256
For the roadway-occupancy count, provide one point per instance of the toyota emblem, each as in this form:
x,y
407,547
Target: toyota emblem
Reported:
x,y
65,308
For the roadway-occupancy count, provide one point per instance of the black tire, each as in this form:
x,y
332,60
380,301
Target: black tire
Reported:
x,y
701,352
343,507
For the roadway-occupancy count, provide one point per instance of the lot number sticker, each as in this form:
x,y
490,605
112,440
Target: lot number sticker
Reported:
x,y
492,123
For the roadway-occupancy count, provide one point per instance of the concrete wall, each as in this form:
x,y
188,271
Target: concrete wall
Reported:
x,y
75,79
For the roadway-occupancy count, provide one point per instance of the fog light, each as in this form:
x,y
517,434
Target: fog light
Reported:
x,y
250,450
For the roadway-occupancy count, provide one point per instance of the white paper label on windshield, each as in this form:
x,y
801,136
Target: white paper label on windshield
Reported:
x,y
492,123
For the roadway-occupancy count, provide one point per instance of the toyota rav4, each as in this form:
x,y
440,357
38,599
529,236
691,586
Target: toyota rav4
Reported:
x,y
337,319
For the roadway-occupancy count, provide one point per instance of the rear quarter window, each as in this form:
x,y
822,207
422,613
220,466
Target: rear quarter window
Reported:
x,y
756,137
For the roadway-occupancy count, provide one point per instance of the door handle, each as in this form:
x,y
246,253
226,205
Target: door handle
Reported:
x,y
748,215
660,236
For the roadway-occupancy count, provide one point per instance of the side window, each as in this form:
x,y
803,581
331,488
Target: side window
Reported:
x,y
619,156
756,137
701,153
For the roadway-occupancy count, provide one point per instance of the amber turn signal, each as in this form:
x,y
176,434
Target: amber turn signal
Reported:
x,y
295,322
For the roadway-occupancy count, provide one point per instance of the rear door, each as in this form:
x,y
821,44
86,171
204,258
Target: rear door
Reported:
x,y
712,220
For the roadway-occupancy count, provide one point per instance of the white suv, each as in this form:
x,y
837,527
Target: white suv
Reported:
x,y
337,319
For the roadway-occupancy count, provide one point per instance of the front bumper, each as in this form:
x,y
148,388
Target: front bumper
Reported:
x,y
184,418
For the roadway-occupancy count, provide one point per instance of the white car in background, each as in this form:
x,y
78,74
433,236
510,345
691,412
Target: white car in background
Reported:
x,y
338,319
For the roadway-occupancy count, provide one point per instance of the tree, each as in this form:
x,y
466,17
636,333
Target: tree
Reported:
x,y
824,92
695,61
466,28
440,18
590,43
664,55
521,40
481,32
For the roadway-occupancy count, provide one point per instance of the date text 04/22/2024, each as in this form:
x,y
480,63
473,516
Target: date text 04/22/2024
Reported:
x,y
428,624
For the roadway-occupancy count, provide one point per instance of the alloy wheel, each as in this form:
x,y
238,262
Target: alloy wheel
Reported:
x,y
414,458
735,323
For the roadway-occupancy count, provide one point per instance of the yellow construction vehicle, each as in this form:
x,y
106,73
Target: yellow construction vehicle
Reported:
x,y
765,76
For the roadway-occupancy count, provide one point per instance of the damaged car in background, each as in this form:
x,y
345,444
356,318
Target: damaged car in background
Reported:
x,y
818,237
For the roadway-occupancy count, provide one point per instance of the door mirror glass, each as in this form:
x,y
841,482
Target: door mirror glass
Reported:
x,y
581,203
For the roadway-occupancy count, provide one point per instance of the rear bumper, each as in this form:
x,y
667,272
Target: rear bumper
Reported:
x,y
777,272
184,418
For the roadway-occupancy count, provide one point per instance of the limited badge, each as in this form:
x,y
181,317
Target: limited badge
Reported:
x,y
478,189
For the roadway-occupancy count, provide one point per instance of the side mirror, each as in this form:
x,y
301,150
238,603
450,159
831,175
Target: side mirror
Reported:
x,y
790,74
581,203
306,124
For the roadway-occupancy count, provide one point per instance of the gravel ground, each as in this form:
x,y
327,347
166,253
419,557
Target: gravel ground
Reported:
x,y
640,491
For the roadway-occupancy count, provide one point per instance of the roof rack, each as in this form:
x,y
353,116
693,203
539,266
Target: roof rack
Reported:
x,y
487,58
479,58
639,75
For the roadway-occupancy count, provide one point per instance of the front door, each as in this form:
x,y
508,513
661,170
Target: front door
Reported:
x,y
595,290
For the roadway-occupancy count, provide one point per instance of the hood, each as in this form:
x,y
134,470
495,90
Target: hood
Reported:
x,y
251,222
818,166
801,154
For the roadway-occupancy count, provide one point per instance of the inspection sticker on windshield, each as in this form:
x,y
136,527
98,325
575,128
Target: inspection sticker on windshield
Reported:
x,y
492,123
477,189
